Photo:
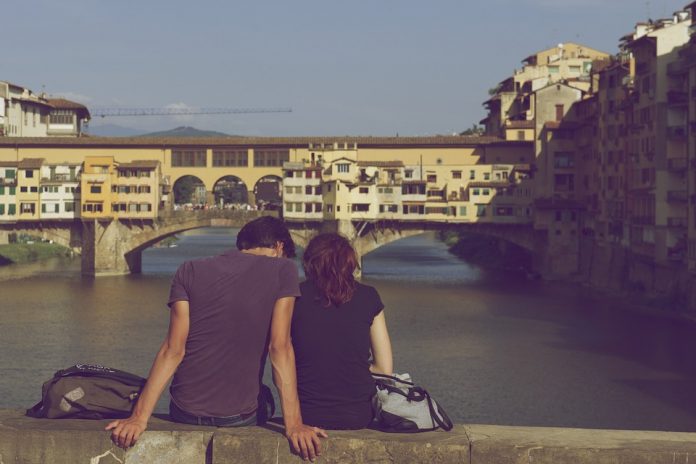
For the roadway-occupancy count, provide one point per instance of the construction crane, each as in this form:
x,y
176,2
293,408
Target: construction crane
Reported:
x,y
117,112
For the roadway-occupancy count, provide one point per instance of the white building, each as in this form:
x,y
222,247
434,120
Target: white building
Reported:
x,y
60,191
25,114
8,191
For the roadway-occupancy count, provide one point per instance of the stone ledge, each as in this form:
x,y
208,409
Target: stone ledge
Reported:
x,y
28,441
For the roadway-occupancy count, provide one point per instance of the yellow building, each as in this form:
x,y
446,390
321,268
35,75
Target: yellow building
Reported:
x,y
135,192
98,175
28,186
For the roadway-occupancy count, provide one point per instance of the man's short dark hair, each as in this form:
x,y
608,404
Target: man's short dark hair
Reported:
x,y
266,232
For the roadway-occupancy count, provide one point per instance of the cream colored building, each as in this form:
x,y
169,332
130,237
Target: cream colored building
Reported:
x,y
28,188
25,114
512,101
60,191
8,191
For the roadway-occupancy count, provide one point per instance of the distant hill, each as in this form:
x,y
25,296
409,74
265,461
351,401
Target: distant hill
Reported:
x,y
112,130
186,131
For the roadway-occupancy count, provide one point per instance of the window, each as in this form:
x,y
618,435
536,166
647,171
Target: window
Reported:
x,y
408,173
503,211
69,206
188,158
27,208
486,176
2,189
289,190
2,209
236,158
95,189
34,189
559,112
61,117
271,157
10,173
432,178
343,167
329,208
574,69
308,207
11,210
563,160
520,135
480,210
388,208
308,190
462,210
472,175
13,190
364,190
360,207
553,69
23,189
28,173
317,190
476,192
456,174
317,207
486,192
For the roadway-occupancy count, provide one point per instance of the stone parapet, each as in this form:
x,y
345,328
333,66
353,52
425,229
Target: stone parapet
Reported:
x,y
27,441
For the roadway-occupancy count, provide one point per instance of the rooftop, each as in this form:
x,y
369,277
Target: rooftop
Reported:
x,y
30,163
259,142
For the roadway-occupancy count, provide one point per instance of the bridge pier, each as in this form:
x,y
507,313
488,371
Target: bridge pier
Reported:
x,y
106,249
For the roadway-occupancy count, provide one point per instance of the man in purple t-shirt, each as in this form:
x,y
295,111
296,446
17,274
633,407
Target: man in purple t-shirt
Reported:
x,y
226,313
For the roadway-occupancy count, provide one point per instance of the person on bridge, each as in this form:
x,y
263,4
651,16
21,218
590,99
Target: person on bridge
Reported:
x,y
337,322
227,313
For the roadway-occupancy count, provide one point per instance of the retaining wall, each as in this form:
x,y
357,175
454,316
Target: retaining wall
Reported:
x,y
27,441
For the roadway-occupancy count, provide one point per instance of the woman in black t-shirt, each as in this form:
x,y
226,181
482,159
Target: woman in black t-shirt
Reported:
x,y
337,323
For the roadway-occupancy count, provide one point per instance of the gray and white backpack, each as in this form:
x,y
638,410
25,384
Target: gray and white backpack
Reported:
x,y
404,407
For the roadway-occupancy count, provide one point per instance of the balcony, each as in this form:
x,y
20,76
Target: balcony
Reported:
x,y
677,196
677,222
677,97
676,132
678,67
677,164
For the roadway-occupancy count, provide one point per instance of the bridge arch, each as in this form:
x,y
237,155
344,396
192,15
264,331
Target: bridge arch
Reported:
x,y
268,191
189,189
230,189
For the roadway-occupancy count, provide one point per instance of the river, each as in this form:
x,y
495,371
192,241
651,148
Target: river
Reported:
x,y
490,347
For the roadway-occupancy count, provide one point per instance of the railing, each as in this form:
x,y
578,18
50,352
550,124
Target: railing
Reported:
x,y
677,222
677,97
677,164
677,196
676,131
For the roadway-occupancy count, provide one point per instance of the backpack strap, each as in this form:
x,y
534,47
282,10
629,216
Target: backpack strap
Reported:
x,y
34,411
439,416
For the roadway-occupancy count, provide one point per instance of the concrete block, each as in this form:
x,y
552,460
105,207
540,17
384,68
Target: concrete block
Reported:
x,y
542,445
262,445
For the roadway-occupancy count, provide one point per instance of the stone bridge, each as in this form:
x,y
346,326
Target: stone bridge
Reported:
x,y
114,247
368,236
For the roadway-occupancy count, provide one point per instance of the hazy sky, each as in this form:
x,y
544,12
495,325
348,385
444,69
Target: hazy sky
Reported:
x,y
358,67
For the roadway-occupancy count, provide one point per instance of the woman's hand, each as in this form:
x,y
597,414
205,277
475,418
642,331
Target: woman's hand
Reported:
x,y
125,432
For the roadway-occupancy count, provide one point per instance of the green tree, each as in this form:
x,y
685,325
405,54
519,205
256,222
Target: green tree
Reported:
x,y
473,130
184,188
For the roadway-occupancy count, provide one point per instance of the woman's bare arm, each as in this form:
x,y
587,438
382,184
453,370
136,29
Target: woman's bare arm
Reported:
x,y
381,346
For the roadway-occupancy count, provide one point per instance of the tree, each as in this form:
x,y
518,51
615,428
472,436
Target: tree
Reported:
x,y
473,130
184,188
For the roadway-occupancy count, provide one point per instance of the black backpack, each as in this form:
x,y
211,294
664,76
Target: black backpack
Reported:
x,y
87,391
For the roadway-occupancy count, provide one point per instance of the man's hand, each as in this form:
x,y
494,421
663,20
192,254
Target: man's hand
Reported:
x,y
126,431
305,440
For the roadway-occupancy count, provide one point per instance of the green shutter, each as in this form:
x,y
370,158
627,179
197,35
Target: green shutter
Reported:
x,y
10,173
2,189
13,190
2,209
12,210
43,207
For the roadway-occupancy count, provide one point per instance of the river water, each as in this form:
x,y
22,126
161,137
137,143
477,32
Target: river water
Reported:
x,y
492,348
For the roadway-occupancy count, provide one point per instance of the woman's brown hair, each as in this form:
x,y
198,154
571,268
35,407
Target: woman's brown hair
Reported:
x,y
329,261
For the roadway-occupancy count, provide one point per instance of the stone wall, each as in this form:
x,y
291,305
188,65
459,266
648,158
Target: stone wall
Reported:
x,y
28,441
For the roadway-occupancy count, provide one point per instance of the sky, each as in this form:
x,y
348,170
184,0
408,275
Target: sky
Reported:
x,y
359,67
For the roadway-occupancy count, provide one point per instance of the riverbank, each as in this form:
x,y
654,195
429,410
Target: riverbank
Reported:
x,y
68,441
20,253
487,252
